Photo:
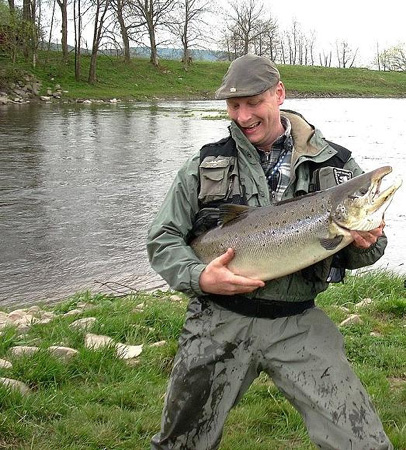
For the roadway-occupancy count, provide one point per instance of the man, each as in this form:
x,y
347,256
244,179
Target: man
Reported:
x,y
269,156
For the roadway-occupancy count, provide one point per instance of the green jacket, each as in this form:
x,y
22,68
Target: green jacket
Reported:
x,y
175,261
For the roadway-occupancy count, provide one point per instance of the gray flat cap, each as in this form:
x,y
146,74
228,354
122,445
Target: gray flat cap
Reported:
x,y
248,75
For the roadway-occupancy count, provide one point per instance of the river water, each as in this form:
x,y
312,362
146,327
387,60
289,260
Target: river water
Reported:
x,y
79,184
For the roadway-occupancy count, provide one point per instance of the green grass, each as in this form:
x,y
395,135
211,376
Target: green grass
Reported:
x,y
139,80
97,401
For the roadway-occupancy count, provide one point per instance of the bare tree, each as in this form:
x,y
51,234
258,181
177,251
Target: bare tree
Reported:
x,y
153,14
77,19
325,58
63,6
189,24
101,14
244,25
30,30
345,54
126,24
394,58
267,41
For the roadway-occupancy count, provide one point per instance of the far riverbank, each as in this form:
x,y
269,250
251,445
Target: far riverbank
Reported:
x,y
139,80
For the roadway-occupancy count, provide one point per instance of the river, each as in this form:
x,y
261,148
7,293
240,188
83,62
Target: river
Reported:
x,y
79,184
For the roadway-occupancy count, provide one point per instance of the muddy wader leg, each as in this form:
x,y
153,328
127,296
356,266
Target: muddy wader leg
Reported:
x,y
312,371
211,371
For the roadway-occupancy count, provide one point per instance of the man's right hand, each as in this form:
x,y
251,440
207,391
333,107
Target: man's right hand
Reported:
x,y
217,278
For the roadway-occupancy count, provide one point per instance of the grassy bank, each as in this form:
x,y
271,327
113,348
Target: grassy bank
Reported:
x,y
139,80
98,401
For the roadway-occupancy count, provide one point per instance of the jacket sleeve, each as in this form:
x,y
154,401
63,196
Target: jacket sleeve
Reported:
x,y
355,257
167,248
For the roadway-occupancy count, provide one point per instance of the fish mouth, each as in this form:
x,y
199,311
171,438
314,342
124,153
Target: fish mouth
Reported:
x,y
364,208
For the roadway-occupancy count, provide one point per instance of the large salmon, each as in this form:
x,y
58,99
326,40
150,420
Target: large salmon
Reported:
x,y
279,239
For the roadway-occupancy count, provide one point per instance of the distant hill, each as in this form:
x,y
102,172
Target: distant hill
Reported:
x,y
144,52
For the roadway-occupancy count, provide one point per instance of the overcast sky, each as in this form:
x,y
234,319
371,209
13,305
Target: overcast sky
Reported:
x,y
363,23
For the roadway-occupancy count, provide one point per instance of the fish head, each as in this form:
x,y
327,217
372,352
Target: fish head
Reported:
x,y
359,204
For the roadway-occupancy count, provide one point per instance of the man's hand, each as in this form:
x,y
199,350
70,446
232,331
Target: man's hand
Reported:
x,y
216,278
364,239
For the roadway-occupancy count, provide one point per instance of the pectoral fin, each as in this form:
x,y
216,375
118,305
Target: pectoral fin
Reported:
x,y
331,244
231,212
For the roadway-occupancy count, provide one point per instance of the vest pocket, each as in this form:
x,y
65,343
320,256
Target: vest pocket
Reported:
x,y
215,178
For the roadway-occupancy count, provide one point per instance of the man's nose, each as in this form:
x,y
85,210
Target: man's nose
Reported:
x,y
244,114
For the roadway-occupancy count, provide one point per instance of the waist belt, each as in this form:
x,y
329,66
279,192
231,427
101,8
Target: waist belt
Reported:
x,y
257,307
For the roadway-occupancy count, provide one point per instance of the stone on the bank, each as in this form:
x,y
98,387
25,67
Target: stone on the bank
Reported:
x,y
175,298
140,307
128,351
5,320
4,364
15,384
354,319
23,350
364,303
83,324
96,341
158,344
64,353
74,312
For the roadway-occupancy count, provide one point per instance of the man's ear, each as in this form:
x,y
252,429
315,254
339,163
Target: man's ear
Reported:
x,y
280,93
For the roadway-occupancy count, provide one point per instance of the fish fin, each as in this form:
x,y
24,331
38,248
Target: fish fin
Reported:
x,y
231,212
331,244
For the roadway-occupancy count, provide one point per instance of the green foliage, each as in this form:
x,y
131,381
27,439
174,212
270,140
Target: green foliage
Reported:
x,y
97,401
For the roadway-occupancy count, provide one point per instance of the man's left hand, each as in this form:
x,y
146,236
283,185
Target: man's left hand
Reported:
x,y
364,239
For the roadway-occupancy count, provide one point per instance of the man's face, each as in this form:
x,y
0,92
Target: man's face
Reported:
x,y
258,116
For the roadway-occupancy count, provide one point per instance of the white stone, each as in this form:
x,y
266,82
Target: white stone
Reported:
x,y
4,364
128,351
158,344
23,350
175,298
17,314
354,319
364,303
74,312
83,324
15,384
96,341
62,352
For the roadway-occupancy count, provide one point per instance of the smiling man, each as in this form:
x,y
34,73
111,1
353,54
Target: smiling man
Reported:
x,y
235,326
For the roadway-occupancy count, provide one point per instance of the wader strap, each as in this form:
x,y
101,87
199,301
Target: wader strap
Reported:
x,y
257,307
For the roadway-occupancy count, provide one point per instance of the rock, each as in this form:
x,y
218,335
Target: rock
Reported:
x,y
375,334
45,98
4,364
95,341
128,351
17,314
158,344
5,321
140,307
73,312
23,350
83,324
354,319
64,353
15,384
3,100
364,303
175,298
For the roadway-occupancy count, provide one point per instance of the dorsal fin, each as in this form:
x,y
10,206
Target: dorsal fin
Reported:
x,y
230,212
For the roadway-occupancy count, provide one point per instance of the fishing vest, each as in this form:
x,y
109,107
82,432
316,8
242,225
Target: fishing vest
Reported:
x,y
322,175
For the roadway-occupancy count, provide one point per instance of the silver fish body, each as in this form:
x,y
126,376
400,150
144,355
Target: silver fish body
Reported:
x,y
276,240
